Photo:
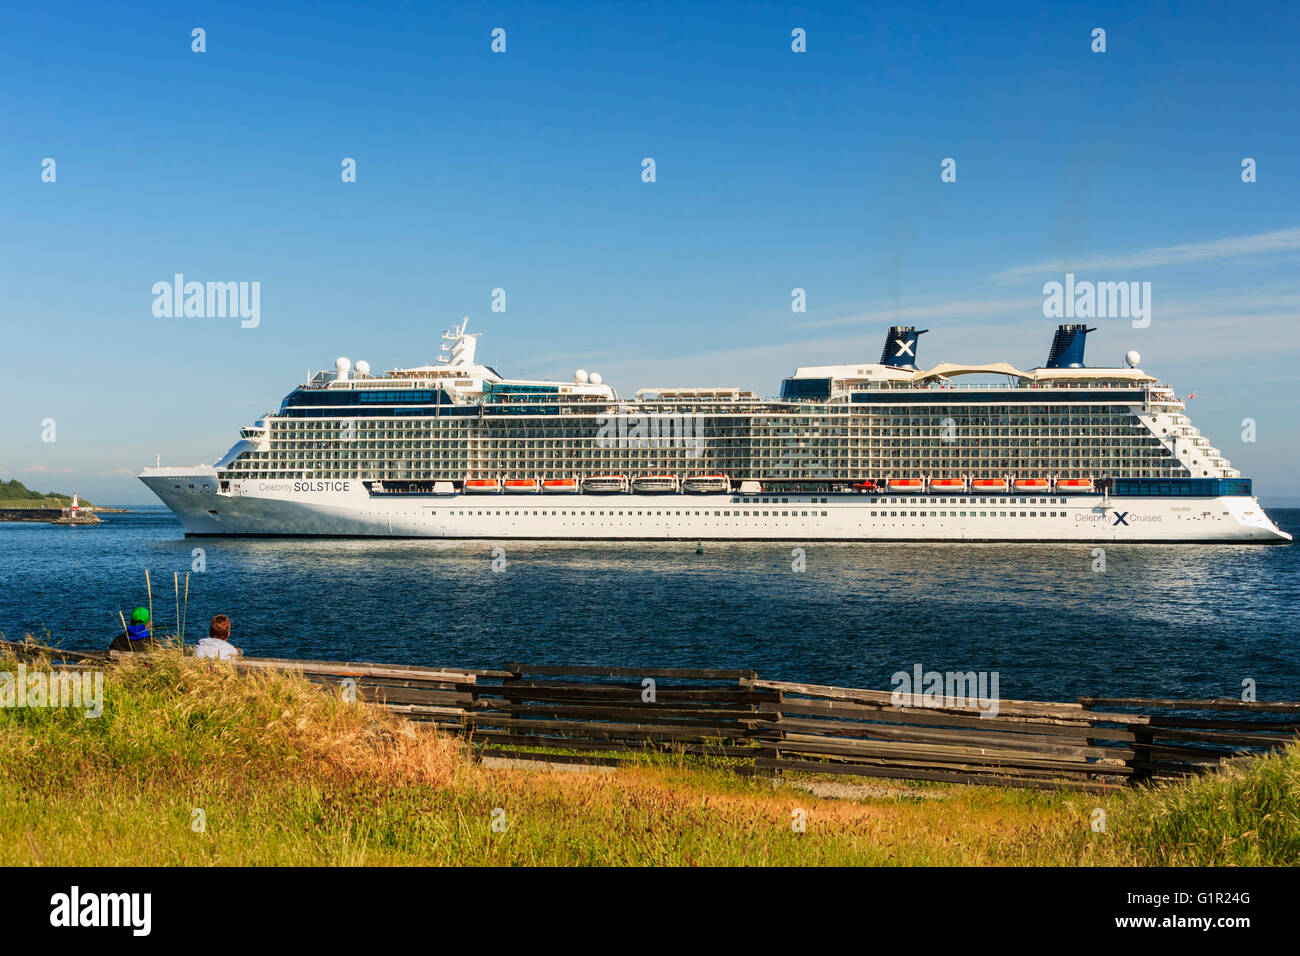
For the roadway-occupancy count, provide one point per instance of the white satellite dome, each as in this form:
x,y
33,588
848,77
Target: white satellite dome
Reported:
x,y
580,376
342,363
595,378
363,367
1132,358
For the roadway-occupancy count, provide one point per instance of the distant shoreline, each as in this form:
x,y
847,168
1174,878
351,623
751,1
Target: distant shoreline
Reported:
x,y
55,513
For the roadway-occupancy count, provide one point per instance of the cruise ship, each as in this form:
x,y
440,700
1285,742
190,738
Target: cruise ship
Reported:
x,y
870,451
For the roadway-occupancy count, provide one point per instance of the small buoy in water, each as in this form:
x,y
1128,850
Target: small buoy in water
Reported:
x,y
699,547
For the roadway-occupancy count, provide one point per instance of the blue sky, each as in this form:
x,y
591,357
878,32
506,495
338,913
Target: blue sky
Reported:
x,y
522,171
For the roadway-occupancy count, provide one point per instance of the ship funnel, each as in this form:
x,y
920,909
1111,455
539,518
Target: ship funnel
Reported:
x,y
1067,346
900,346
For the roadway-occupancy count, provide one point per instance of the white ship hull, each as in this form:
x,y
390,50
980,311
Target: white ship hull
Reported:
x,y
346,508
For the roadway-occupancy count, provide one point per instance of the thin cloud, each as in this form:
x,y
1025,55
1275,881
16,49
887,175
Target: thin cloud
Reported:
x,y
1236,247
45,469
1188,332
118,472
939,310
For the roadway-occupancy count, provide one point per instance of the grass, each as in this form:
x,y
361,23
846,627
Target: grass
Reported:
x,y
287,775
14,494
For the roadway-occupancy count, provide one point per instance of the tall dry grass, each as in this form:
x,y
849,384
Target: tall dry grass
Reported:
x,y
287,773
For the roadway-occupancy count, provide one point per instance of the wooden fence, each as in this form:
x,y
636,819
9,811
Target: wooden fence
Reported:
x,y
602,715
844,730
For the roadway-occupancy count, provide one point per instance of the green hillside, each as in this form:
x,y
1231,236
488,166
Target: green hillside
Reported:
x,y
14,494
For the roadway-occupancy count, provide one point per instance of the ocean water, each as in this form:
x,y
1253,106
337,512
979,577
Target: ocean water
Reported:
x,y
1161,620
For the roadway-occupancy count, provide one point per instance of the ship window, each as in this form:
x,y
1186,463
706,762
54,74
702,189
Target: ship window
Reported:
x,y
873,514
984,514
1002,514
726,514
1022,514
823,514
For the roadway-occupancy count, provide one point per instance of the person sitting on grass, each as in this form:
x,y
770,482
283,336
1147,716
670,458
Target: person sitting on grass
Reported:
x,y
137,636
217,643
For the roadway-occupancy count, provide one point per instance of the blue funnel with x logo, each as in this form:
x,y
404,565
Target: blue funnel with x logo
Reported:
x,y
900,347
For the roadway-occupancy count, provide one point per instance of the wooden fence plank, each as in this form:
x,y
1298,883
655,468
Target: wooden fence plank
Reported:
x,y
582,670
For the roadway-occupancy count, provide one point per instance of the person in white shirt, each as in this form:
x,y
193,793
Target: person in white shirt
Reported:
x,y
217,644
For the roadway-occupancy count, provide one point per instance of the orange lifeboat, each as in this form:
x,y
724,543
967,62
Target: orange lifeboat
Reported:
x,y
703,484
1074,484
560,486
651,484
604,484
1031,484
523,486
947,484
906,484
988,484
483,486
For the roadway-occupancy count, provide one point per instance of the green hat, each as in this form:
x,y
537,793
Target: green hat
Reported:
x,y
140,616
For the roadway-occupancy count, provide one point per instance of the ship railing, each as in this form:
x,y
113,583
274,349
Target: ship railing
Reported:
x,y
993,386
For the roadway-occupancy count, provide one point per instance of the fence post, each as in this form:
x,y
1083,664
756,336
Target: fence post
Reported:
x,y
1141,736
